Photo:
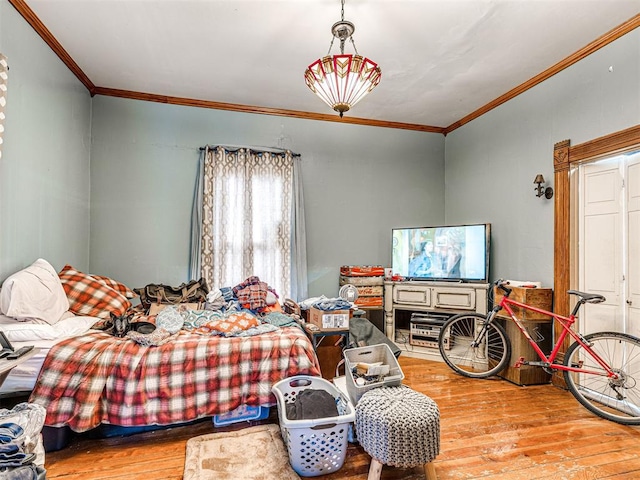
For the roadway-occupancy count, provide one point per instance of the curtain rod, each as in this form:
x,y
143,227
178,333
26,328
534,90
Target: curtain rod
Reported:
x,y
257,149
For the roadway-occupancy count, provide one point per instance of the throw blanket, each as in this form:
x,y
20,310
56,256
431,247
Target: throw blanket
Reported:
x,y
97,378
253,293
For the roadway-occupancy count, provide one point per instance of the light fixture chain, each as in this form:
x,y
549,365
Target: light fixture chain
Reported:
x,y
342,39
331,45
354,44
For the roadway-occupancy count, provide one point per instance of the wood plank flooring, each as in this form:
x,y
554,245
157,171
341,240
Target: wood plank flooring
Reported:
x,y
490,430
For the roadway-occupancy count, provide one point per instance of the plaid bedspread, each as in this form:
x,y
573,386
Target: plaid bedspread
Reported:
x,y
97,378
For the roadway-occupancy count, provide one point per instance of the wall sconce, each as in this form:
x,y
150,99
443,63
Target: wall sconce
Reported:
x,y
547,192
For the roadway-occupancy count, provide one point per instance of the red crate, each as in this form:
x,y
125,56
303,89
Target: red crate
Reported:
x,y
369,301
362,270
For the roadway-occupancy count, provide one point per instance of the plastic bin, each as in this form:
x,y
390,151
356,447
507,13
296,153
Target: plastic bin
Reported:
x,y
316,446
241,414
56,438
371,354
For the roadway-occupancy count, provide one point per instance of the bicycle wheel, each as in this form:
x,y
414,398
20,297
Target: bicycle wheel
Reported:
x,y
472,348
618,399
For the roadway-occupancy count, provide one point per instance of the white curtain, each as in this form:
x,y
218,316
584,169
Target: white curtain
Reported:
x,y
248,219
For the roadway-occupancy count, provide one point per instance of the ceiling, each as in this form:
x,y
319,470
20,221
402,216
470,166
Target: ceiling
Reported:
x,y
441,60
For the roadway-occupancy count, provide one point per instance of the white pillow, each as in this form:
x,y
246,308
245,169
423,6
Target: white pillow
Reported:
x,y
17,331
34,293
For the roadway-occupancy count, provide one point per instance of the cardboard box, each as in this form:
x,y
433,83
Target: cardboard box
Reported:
x,y
329,320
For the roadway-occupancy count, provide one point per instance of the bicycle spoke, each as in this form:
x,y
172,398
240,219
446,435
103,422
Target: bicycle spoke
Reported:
x,y
474,349
616,399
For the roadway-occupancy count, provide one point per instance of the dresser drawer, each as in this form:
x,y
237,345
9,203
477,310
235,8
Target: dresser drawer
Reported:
x,y
412,295
456,298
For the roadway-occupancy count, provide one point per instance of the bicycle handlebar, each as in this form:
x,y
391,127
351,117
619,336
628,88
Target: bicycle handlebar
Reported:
x,y
500,283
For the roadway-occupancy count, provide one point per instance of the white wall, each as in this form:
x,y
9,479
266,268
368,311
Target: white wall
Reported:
x,y
44,170
491,162
359,182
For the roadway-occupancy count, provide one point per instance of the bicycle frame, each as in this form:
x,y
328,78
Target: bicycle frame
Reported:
x,y
566,323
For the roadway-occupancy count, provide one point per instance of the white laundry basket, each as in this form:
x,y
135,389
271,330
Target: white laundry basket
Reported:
x,y
316,446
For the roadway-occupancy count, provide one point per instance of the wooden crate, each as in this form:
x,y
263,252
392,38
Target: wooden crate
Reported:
x,y
520,347
369,301
534,322
362,270
370,290
536,297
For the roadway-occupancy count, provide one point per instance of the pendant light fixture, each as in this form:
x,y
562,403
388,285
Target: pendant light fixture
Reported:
x,y
342,80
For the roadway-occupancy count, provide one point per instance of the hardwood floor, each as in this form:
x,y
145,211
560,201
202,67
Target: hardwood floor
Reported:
x,y
490,430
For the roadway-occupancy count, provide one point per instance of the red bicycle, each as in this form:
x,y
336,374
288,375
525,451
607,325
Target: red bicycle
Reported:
x,y
601,369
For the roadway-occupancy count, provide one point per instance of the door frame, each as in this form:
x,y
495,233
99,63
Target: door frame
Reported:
x,y
565,158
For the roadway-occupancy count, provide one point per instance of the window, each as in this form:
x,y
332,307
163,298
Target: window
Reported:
x,y
247,222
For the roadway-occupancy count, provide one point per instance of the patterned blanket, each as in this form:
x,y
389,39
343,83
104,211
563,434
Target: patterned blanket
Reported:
x,y
97,378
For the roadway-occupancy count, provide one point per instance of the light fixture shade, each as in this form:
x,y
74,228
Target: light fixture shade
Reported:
x,y
341,81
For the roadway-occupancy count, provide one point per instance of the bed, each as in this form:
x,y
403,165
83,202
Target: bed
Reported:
x,y
89,377
97,378
22,378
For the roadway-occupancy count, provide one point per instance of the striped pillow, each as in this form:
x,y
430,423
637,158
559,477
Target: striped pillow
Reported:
x,y
234,322
88,296
117,286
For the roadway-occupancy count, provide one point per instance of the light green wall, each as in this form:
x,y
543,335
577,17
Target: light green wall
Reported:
x,y
492,161
44,170
359,182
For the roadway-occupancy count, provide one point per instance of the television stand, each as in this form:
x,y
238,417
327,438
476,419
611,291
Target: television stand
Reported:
x,y
440,299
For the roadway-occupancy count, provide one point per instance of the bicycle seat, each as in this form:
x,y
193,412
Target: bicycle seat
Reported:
x,y
588,297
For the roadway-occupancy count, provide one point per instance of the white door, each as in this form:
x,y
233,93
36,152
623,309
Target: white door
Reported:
x,y
609,244
601,246
632,178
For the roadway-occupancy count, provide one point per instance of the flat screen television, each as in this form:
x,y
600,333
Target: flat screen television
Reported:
x,y
449,253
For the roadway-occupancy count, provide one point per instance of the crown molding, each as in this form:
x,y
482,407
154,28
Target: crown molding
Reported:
x,y
597,44
31,18
234,107
45,34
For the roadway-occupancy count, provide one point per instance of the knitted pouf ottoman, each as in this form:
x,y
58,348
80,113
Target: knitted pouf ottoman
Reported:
x,y
400,427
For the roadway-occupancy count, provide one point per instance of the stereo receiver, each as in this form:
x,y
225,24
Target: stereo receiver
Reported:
x,y
425,329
